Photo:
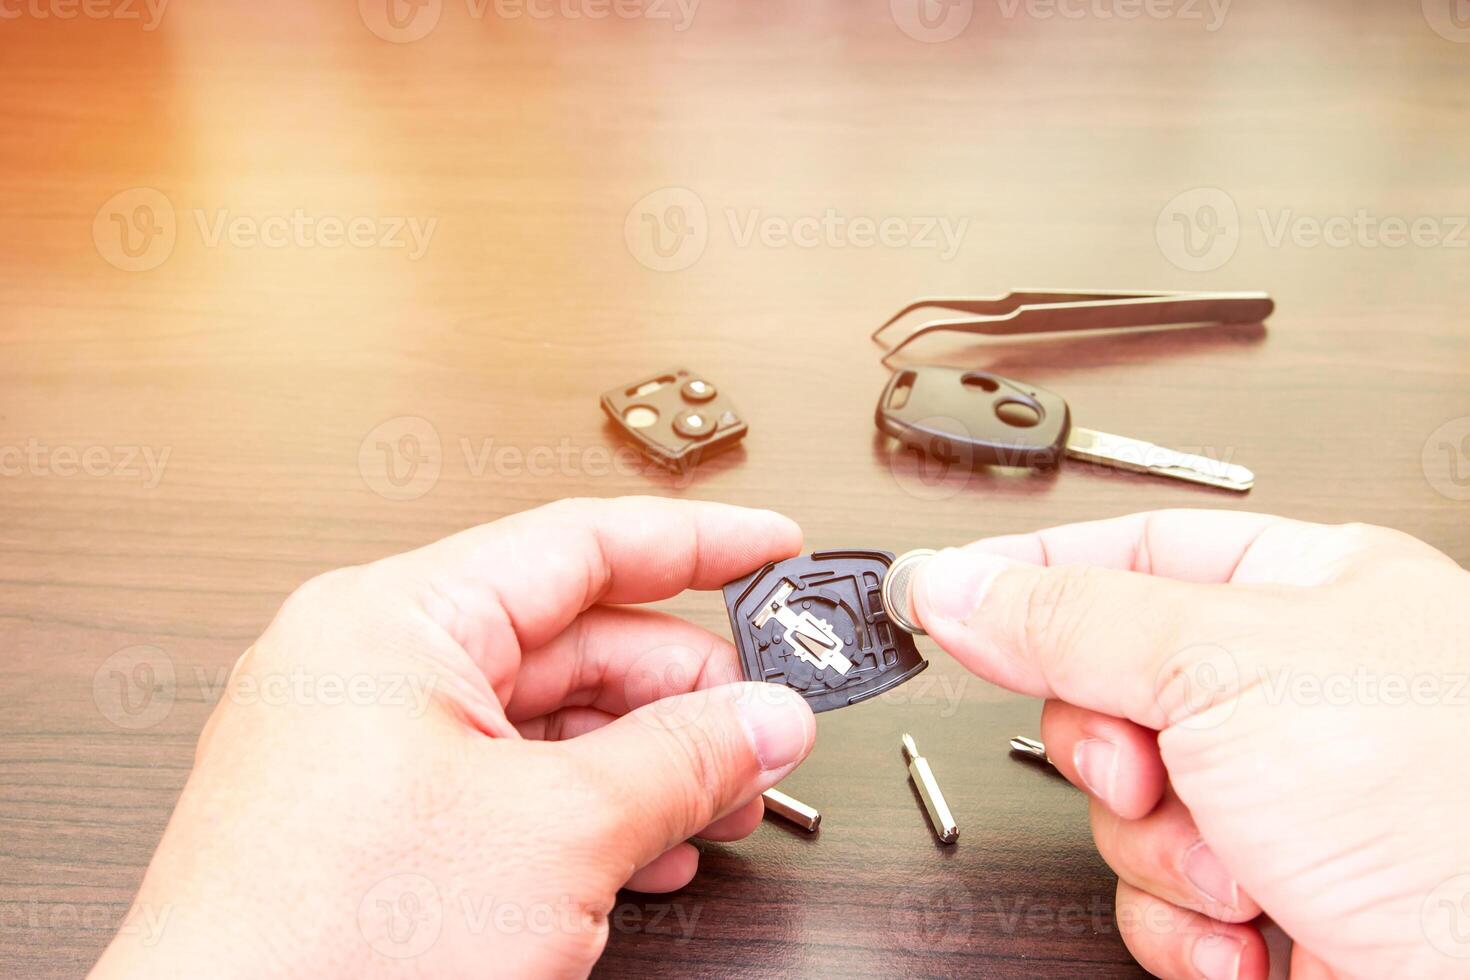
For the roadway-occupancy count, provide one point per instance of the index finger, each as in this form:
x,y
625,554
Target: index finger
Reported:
x,y
523,579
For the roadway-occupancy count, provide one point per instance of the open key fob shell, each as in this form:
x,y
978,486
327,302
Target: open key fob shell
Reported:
x,y
841,591
676,418
974,417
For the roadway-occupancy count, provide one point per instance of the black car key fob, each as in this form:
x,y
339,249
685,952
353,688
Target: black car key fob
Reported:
x,y
676,418
816,624
973,416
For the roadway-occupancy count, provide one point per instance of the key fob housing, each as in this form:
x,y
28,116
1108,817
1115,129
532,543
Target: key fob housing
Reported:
x,y
975,417
676,418
840,590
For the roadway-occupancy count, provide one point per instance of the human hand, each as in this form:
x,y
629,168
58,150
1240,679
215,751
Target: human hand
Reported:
x,y
543,749
1268,716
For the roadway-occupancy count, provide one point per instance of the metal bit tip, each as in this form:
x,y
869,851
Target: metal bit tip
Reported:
x,y
910,750
1031,748
940,817
790,808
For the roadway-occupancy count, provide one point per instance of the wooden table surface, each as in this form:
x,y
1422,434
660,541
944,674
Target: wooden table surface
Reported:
x,y
289,286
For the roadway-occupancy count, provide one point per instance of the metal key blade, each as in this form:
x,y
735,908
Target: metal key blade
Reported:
x,y
1138,456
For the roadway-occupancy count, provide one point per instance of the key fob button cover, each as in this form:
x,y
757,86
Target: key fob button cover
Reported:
x,y
975,417
840,590
677,417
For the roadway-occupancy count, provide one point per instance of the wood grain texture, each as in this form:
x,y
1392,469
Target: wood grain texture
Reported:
x,y
275,379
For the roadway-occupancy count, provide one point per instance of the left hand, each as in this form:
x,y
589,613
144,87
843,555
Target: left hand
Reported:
x,y
479,727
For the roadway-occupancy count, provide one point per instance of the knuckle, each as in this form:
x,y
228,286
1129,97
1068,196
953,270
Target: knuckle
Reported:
x,y
697,760
319,592
1049,604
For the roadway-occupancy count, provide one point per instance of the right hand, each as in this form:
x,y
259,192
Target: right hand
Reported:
x,y
1269,716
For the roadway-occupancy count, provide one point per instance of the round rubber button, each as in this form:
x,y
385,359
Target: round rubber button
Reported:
x,y
697,390
693,424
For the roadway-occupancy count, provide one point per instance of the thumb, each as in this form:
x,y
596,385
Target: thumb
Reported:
x,y
1156,651
674,766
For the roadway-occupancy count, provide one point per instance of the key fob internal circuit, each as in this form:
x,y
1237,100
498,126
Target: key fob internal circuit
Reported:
x,y
816,624
975,417
676,418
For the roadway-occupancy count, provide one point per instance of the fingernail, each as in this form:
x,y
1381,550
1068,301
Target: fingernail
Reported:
x,y
955,582
1206,872
1097,763
1217,957
776,721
